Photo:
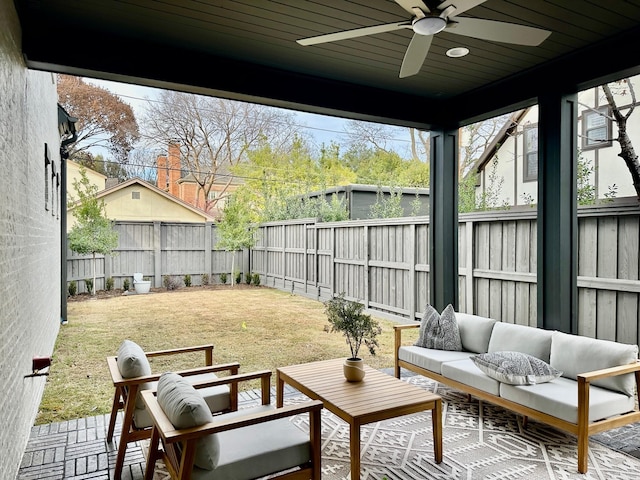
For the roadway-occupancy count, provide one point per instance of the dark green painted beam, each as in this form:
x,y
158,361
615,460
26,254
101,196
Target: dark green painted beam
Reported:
x,y
557,213
443,227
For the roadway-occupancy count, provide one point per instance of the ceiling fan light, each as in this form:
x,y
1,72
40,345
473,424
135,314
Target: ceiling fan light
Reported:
x,y
429,25
457,52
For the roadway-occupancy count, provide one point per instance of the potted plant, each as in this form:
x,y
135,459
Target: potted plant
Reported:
x,y
346,316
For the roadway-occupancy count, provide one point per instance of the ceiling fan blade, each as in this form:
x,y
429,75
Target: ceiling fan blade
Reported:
x,y
409,5
460,5
415,55
497,31
356,32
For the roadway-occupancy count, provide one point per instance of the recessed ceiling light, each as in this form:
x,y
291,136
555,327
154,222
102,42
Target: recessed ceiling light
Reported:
x,y
457,52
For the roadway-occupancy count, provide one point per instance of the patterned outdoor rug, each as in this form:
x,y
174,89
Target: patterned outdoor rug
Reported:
x,y
481,441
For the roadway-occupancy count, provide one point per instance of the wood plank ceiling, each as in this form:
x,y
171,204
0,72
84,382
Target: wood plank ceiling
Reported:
x,y
247,50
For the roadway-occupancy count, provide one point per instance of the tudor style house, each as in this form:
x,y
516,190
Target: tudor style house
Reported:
x,y
509,167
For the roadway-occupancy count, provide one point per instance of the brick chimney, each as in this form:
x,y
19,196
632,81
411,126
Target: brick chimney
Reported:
x,y
163,178
174,165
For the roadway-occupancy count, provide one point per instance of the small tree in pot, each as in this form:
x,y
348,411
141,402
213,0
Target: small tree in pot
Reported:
x,y
346,316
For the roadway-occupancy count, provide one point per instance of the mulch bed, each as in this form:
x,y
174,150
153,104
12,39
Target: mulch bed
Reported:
x,y
101,294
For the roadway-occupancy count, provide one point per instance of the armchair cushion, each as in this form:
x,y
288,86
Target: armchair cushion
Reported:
x,y
439,331
257,450
186,408
132,361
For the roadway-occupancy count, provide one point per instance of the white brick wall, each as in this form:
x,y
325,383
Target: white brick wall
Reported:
x,y
29,239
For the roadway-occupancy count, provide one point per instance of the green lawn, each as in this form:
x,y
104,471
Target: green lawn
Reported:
x,y
262,328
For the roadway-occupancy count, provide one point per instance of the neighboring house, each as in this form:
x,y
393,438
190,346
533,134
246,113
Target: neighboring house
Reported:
x,y
360,198
137,200
174,179
73,174
509,167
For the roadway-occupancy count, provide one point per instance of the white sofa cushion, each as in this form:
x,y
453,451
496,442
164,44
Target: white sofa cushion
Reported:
x,y
429,358
257,450
560,399
475,332
521,338
574,354
465,371
515,368
439,331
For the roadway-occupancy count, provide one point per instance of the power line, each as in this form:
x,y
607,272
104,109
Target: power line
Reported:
x,y
395,140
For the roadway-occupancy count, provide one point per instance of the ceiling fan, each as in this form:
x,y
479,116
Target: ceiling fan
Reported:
x,y
428,21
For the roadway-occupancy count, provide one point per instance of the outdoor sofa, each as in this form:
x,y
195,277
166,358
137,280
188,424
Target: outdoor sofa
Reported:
x,y
577,384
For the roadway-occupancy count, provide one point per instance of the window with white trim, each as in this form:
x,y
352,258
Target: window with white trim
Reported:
x,y
530,167
596,128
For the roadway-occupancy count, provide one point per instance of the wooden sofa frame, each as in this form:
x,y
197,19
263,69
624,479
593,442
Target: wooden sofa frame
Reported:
x,y
126,392
179,445
582,430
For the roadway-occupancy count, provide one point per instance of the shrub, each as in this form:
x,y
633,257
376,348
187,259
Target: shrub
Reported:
x,y
73,288
170,282
88,283
205,279
359,328
187,280
248,278
238,276
256,279
125,285
109,285
223,277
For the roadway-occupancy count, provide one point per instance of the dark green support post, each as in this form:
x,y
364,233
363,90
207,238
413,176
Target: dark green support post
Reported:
x,y
557,213
443,224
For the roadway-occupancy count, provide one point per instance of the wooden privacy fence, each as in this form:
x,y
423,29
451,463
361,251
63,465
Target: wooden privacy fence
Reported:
x,y
158,249
385,263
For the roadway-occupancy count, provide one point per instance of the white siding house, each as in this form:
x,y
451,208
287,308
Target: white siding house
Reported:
x,y
509,167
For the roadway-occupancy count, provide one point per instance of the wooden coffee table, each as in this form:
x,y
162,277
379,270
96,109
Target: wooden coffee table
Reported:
x,y
378,397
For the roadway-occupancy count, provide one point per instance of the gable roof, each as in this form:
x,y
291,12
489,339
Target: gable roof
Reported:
x,y
138,181
506,130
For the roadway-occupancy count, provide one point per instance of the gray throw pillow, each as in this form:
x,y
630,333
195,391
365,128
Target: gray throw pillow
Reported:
x,y
185,407
439,331
515,368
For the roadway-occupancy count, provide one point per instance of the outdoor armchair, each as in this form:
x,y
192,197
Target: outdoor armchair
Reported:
x,y
250,443
131,373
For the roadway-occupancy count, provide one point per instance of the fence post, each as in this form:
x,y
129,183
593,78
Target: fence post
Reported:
x,y
157,254
208,234
316,263
333,262
305,267
107,268
468,280
367,255
412,272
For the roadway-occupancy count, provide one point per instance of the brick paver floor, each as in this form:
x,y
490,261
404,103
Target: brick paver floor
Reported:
x,y
77,449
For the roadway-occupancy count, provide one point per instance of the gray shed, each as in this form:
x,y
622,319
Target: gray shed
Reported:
x,y
360,198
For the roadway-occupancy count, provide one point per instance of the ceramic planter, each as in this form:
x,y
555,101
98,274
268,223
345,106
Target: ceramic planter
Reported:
x,y
353,369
